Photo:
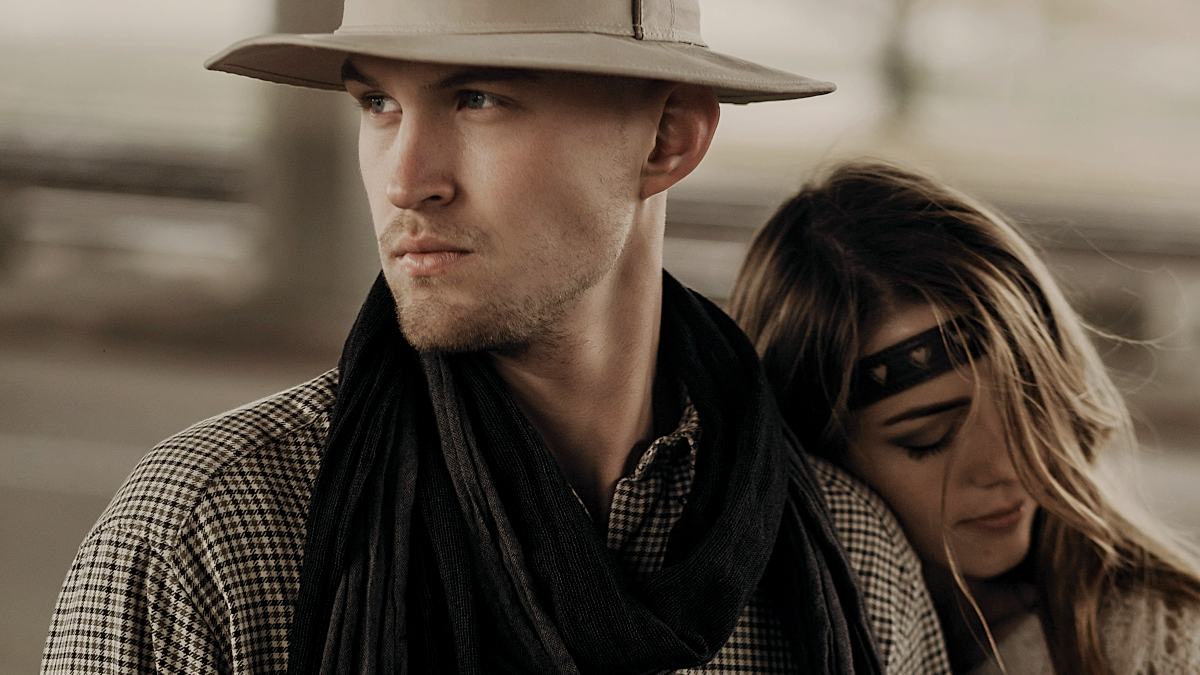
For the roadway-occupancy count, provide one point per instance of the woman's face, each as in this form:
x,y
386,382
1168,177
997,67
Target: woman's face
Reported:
x,y
911,444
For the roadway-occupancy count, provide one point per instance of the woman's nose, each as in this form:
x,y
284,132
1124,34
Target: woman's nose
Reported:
x,y
984,458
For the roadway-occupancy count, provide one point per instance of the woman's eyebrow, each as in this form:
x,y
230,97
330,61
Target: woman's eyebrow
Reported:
x,y
927,410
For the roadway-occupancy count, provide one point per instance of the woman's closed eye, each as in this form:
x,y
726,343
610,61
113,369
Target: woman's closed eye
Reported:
x,y
919,448
933,437
937,426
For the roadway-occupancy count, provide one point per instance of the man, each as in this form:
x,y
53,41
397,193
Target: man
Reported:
x,y
537,453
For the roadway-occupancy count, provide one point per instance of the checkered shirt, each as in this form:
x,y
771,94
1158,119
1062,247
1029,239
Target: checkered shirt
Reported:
x,y
646,505
194,565
899,608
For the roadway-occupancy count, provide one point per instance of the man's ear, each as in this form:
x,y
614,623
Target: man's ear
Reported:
x,y
685,130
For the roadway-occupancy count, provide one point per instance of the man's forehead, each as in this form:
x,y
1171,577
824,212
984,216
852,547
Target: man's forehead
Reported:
x,y
374,71
377,72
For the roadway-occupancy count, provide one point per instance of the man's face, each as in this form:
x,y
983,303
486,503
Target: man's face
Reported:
x,y
499,197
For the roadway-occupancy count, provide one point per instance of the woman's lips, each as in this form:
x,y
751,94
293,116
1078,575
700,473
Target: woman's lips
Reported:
x,y
429,263
999,521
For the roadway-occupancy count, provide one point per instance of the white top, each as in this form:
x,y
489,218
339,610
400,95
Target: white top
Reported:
x,y
1143,634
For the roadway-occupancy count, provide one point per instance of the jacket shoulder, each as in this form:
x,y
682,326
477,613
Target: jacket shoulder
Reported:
x,y
900,610
867,527
194,564
269,447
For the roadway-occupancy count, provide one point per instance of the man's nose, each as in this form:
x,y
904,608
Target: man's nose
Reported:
x,y
421,175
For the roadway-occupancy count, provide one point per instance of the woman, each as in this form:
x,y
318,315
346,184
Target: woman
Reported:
x,y
916,341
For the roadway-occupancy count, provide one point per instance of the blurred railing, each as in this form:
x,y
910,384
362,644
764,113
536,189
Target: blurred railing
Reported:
x,y
124,169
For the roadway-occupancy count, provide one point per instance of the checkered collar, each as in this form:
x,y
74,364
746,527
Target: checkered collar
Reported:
x,y
669,448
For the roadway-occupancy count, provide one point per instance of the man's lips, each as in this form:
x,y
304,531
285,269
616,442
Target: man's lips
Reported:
x,y
427,256
423,244
431,263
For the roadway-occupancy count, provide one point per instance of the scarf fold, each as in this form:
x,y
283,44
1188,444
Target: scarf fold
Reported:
x,y
442,536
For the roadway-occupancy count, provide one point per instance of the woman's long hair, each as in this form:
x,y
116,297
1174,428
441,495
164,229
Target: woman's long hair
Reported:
x,y
836,258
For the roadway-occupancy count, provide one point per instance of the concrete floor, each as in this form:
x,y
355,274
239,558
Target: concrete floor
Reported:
x,y
76,416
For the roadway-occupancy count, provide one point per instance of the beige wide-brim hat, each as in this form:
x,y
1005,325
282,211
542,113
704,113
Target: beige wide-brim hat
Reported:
x,y
653,39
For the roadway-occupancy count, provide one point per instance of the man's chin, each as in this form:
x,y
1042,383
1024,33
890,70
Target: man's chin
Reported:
x,y
442,344
435,334
432,323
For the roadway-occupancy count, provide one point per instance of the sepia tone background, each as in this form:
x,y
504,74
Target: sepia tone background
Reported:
x,y
175,242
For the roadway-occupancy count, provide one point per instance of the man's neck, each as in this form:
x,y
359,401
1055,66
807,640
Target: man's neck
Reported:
x,y
588,388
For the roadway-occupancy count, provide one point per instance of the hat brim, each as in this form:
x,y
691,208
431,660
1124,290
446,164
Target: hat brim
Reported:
x,y
315,60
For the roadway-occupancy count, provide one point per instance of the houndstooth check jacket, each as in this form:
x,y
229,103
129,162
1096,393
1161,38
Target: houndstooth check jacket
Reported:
x,y
194,565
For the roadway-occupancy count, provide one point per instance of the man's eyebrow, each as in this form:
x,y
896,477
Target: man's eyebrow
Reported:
x,y
483,76
352,74
927,410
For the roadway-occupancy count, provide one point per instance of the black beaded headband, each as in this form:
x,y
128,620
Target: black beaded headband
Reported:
x,y
910,362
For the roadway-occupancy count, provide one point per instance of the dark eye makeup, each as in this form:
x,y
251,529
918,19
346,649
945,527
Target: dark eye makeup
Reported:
x,y
949,422
921,451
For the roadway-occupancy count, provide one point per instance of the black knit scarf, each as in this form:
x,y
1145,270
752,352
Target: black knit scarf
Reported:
x,y
442,536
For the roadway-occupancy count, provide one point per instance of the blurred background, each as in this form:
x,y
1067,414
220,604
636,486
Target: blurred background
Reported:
x,y
175,242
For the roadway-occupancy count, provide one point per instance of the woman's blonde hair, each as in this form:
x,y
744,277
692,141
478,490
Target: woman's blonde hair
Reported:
x,y
836,258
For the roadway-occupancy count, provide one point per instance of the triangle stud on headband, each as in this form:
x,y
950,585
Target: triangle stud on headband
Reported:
x,y
920,357
879,373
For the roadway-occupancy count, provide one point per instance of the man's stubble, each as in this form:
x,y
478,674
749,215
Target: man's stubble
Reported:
x,y
509,317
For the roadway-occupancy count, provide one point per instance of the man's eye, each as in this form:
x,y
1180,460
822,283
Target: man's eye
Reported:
x,y
377,104
476,100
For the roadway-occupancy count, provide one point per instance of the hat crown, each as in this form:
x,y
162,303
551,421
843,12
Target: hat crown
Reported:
x,y
660,20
